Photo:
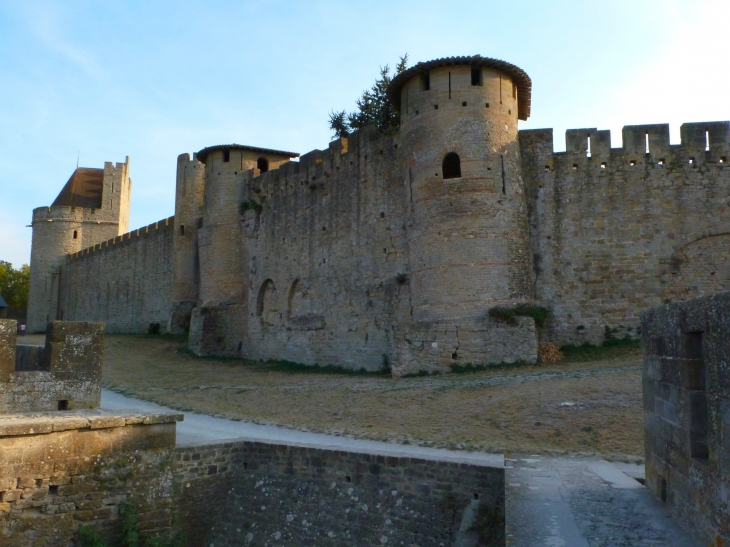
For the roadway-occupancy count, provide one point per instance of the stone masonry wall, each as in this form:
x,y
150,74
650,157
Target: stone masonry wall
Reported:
x,y
62,470
66,375
686,384
326,259
620,230
125,282
297,495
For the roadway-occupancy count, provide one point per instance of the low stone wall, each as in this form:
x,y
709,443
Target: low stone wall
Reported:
x,y
59,471
62,470
64,375
296,495
687,412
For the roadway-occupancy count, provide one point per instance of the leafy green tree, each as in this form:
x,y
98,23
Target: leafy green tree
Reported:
x,y
373,107
14,284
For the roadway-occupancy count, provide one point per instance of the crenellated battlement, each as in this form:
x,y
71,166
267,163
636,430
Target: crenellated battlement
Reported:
x,y
343,158
701,143
62,212
129,237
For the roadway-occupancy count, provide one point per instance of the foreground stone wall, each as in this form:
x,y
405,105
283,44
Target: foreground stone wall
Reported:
x,y
63,375
615,231
59,471
63,470
297,495
687,412
125,282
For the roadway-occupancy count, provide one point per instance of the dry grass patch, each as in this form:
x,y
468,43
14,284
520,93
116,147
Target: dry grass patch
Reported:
x,y
588,406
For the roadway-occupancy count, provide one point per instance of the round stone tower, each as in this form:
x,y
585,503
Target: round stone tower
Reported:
x,y
217,325
91,208
468,227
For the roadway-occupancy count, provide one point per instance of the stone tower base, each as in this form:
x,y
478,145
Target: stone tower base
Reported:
x,y
438,346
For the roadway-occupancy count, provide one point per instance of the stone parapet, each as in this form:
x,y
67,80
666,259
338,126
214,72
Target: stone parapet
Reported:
x,y
310,495
63,375
686,384
59,471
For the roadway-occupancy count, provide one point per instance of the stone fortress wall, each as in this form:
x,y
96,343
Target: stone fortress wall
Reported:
x,y
369,253
125,282
615,231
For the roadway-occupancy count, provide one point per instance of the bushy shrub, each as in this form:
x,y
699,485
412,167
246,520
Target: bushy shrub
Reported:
x,y
539,314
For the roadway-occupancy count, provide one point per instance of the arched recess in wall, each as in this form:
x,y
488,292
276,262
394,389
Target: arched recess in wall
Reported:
x,y
293,299
262,164
699,268
451,166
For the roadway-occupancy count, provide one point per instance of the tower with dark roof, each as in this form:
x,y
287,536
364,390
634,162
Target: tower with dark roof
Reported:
x,y
91,208
208,244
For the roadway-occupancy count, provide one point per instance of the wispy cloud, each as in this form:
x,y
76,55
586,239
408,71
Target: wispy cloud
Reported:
x,y
48,23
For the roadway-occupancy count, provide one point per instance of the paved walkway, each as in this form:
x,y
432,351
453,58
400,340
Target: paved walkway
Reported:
x,y
551,501
580,502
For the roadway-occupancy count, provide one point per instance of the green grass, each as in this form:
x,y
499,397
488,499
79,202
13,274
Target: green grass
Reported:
x,y
612,348
289,366
509,315
469,367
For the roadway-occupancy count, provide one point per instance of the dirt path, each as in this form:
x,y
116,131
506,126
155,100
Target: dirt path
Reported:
x,y
592,407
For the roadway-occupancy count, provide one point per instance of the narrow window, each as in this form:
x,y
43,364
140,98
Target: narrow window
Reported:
x,y
76,234
696,382
588,148
451,166
476,75
426,81
647,142
707,141
226,156
182,230
449,85
504,178
262,165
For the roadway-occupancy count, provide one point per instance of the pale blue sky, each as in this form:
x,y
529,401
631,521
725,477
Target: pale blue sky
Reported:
x,y
153,79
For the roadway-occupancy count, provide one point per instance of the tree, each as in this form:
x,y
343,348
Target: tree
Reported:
x,y
373,107
14,284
